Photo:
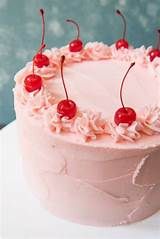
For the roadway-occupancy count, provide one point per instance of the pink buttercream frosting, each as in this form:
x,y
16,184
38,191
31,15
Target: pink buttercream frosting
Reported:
x,y
55,123
96,51
87,123
150,120
35,102
90,124
139,54
148,123
47,72
125,132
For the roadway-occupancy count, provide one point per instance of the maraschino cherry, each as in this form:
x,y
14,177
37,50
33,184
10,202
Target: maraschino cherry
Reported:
x,y
75,45
66,108
122,42
155,52
125,114
33,82
40,59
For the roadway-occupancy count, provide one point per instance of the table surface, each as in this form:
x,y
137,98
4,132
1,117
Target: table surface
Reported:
x,y
22,216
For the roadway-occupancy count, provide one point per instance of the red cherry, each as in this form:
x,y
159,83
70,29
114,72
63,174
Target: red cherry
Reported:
x,y
125,114
33,82
66,108
155,52
40,59
75,45
122,42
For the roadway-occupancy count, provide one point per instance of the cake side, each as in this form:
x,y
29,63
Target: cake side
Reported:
x,y
89,185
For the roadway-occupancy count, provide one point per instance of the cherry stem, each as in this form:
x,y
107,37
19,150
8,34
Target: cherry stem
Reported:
x,y
39,50
132,64
77,26
43,29
124,23
62,76
158,39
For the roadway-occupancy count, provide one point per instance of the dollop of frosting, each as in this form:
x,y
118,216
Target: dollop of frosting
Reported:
x,y
148,123
89,125
96,51
46,72
140,55
54,55
125,132
150,120
71,57
35,102
55,122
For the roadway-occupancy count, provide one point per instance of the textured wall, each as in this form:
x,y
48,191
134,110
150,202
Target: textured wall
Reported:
x,y
20,31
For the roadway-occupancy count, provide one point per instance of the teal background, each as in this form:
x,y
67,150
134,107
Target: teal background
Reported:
x,y
20,31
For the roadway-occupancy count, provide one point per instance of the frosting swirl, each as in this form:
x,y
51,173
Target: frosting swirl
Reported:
x,y
89,125
35,102
46,72
55,123
125,132
96,51
150,120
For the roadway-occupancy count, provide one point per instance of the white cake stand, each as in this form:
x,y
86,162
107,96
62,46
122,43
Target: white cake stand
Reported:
x,y
22,216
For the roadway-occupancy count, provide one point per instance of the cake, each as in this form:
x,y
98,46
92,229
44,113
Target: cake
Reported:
x,y
86,168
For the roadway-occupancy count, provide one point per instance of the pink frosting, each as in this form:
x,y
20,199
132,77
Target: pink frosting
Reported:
x,y
46,72
150,120
55,122
86,123
88,184
148,123
96,51
53,55
92,51
125,132
90,124
140,55
71,57
35,102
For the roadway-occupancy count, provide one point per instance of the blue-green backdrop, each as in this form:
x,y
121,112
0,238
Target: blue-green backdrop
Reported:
x,y
20,31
